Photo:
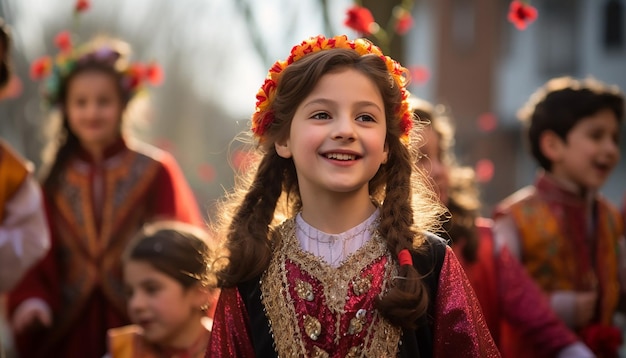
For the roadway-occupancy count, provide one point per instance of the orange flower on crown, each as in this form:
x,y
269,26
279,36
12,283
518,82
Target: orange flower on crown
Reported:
x,y
264,115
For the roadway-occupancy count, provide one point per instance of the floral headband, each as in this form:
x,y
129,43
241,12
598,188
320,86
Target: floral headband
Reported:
x,y
264,115
109,53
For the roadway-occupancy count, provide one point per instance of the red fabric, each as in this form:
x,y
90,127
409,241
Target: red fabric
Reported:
x,y
530,328
518,314
459,325
482,276
80,277
231,332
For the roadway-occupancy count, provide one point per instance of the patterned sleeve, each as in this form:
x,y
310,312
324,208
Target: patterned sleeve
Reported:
x,y
460,329
230,336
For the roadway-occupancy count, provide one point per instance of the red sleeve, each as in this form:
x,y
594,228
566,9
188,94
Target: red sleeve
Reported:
x,y
41,280
230,336
531,325
482,276
460,329
173,198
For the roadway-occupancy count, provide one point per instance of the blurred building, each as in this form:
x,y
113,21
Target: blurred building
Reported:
x,y
482,66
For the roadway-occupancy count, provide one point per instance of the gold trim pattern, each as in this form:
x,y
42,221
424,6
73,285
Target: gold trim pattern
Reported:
x,y
380,338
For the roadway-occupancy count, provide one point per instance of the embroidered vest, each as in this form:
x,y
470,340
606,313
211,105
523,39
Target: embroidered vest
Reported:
x,y
555,255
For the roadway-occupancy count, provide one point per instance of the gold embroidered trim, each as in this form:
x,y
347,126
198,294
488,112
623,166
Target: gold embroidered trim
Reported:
x,y
381,339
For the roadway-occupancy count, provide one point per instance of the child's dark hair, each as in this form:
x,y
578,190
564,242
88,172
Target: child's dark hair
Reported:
x,y
560,104
176,249
271,192
463,197
5,45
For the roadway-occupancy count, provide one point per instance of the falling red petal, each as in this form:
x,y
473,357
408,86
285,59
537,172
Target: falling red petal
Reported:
x,y
487,122
419,75
484,170
82,5
521,14
360,19
241,159
206,172
404,24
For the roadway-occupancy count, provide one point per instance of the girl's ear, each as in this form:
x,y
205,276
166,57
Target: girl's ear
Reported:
x,y
551,145
282,148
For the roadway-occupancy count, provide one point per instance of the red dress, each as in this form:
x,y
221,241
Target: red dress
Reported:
x,y
93,214
302,306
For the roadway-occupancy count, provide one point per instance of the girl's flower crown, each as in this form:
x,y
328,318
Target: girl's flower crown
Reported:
x,y
113,53
264,114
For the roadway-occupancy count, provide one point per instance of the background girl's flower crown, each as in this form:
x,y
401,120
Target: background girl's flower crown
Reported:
x,y
264,114
108,52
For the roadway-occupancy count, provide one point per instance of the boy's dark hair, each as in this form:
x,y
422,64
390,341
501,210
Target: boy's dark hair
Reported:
x,y
560,104
5,46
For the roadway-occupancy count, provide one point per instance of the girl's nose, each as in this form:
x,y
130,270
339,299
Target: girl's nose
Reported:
x,y
136,302
343,128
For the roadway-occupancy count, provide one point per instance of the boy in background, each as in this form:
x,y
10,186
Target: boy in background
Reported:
x,y
563,231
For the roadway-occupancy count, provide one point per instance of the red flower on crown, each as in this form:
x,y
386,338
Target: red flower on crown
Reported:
x,y
41,68
263,116
154,74
360,19
63,41
521,14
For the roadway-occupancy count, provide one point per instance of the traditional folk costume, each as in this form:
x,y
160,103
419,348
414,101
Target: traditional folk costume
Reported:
x,y
567,244
129,342
93,214
517,312
306,304
24,236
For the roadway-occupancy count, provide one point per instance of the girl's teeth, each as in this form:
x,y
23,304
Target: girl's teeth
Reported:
x,y
340,156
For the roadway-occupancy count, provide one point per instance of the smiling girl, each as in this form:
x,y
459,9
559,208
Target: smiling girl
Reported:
x,y
100,188
352,271
165,272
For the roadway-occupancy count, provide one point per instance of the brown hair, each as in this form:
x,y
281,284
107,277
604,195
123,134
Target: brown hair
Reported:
x,y
5,44
176,249
560,104
463,196
270,193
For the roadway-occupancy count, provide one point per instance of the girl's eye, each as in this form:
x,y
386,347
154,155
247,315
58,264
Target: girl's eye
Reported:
x,y
103,101
81,102
321,115
365,118
152,289
596,135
